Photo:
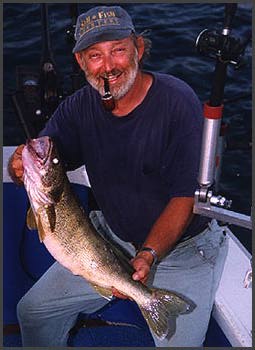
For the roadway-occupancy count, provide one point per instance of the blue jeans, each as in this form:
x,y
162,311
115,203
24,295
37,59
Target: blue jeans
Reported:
x,y
50,308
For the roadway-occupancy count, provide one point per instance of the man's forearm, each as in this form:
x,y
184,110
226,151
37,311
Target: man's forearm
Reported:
x,y
170,225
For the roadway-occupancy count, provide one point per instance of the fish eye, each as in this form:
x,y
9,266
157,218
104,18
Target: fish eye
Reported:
x,y
55,161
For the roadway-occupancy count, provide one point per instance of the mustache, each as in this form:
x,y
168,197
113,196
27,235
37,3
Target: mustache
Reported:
x,y
112,73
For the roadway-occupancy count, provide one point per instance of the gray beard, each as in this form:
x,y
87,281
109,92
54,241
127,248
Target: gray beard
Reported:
x,y
119,91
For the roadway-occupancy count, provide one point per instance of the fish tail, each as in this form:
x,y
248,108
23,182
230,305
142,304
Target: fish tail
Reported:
x,y
162,310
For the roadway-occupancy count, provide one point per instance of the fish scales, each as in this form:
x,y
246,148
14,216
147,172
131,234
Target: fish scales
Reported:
x,y
72,240
81,245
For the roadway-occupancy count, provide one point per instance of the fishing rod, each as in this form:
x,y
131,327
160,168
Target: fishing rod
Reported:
x,y
77,75
50,91
225,49
37,97
38,90
70,30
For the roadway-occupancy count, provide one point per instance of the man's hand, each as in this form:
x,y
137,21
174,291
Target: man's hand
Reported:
x,y
142,265
15,166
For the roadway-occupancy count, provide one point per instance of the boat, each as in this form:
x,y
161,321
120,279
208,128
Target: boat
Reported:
x,y
120,323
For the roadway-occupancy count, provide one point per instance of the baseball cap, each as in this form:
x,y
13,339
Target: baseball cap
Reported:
x,y
102,23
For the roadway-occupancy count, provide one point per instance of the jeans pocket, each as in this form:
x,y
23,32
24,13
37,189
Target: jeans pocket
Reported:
x,y
182,258
209,248
207,254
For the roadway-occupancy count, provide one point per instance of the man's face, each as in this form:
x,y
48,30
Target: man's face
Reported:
x,y
116,60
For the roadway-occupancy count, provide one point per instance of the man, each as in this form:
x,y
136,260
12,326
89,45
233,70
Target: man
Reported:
x,y
142,160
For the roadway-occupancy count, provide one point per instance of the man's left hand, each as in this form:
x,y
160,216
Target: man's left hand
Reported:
x,y
142,265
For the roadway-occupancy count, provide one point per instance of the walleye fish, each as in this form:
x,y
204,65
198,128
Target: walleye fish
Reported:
x,y
73,241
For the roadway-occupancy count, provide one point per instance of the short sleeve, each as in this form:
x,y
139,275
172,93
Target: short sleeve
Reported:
x,y
63,129
181,160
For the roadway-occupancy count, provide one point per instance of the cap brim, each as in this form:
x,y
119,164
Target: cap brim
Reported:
x,y
116,34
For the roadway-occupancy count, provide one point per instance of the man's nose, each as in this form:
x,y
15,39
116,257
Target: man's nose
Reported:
x,y
108,63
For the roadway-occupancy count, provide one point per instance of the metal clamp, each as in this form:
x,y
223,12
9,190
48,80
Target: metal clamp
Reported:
x,y
248,277
215,207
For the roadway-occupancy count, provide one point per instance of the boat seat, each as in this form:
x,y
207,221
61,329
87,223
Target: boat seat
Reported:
x,y
119,323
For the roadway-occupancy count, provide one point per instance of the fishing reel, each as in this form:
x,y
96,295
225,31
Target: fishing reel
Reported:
x,y
218,45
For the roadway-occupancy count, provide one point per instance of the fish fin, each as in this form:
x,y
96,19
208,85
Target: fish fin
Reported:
x,y
56,194
163,309
41,232
31,222
51,216
46,214
106,293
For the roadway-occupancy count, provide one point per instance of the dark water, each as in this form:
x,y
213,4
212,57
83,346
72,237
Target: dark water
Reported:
x,y
173,31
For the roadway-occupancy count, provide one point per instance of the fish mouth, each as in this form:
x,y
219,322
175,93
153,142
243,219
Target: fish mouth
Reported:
x,y
40,149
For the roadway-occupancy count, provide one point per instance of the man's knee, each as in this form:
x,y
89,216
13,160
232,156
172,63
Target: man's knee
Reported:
x,y
26,308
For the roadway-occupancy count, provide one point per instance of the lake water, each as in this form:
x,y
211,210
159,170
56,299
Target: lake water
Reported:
x,y
173,31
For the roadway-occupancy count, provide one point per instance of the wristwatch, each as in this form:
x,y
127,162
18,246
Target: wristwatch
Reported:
x,y
152,251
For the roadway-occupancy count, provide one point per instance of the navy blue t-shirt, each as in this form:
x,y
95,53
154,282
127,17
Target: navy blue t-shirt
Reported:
x,y
138,162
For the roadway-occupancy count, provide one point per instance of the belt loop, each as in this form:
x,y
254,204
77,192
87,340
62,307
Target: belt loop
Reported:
x,y
210,225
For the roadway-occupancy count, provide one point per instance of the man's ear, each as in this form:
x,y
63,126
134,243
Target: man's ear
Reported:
x,y
79,59
140,47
